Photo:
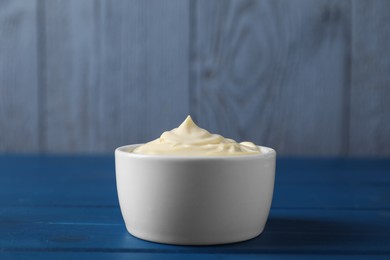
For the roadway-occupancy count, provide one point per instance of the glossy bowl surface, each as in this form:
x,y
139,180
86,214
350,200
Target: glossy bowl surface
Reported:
x,y
192,200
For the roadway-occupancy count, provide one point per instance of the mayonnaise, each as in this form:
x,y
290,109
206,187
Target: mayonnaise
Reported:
x,y
189,139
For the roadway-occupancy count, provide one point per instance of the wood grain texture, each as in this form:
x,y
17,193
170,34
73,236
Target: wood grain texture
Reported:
x,y
273,72
370,81
69,204
123,255
116,72
19,93
299,183
294,231
305,77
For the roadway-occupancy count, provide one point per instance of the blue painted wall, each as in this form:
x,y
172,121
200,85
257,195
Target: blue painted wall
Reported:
x,y
305,77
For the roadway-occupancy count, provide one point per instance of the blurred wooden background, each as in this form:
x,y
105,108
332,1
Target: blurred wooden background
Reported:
x,y
305,77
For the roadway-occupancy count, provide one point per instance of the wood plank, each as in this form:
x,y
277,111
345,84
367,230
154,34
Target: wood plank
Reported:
x,y
89,181
117,73
70,76
273,72
57,181
174,256
370,88
19,94
287,232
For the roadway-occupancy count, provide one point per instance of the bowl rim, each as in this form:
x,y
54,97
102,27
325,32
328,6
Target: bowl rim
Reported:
x,y
266,152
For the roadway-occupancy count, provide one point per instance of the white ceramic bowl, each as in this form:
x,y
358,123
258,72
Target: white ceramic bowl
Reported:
x,y
194,200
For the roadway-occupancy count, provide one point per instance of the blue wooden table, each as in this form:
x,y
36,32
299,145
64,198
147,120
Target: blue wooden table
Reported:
x,y
64,207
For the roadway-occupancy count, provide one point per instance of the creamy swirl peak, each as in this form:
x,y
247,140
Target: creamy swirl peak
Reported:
x,y
190,139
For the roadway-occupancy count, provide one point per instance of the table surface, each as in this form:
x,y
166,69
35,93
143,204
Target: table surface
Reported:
x,y
63,207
